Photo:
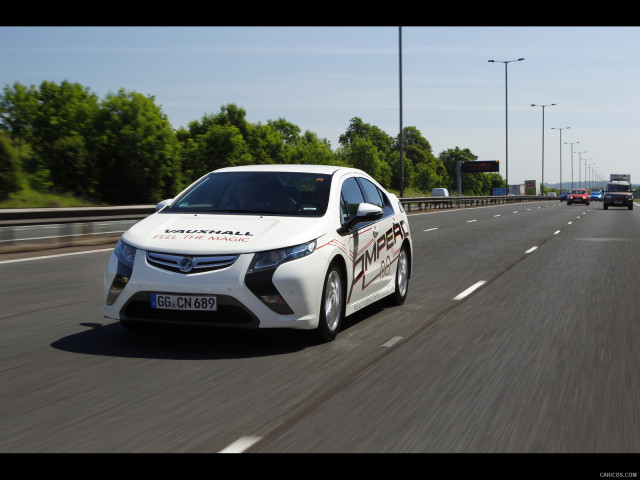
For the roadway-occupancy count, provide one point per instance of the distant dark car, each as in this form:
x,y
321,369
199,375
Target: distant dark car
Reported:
x,y
563,196
596,195
579,195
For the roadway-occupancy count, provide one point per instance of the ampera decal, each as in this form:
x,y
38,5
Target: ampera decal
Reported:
x,y
363,263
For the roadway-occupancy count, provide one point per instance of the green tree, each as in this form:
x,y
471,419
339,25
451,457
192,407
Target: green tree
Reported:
x,y
413,138
265,144
359,129
362,139
222,146
58,121
9,168
311,150
363,154
289,132
18,108
136,157
71,166
450,159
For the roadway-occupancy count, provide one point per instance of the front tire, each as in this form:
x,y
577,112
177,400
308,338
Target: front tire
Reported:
x,y
331,305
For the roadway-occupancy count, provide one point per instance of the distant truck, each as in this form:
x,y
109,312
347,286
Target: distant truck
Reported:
x,y
516,189
620,177
618,192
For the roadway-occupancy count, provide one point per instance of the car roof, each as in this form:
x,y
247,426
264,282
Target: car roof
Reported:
x,y
319,169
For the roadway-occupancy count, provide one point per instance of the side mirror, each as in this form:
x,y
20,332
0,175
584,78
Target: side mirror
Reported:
x,y
163,204
366,212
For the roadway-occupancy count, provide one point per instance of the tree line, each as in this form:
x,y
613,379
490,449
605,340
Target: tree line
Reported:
x,y
122,150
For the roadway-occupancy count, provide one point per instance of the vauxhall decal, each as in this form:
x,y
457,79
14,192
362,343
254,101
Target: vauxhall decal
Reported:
x,y
199,234
218,232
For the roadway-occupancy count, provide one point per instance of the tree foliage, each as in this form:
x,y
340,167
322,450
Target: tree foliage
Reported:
x,y
135,151
9,168
123,150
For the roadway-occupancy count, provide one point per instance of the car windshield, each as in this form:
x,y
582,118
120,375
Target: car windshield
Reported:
x,y
579,192
613,187
268,193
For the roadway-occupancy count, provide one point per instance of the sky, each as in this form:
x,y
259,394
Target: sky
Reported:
x,y
319,78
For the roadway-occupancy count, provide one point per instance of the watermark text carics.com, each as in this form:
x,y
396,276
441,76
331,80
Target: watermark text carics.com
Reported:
x,y
618,474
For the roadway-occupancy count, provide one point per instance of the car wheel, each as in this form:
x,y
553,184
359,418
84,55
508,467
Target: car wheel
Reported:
x,y
631,207
402,279
331,305
605,206
568,202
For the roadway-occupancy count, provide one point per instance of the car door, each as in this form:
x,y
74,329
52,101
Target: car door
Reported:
x,y
384,233
367,240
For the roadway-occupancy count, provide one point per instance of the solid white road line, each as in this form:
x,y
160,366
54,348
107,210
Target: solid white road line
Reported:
x,y
55,256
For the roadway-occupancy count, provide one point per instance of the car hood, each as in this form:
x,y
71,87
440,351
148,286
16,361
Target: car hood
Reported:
x,y
213,234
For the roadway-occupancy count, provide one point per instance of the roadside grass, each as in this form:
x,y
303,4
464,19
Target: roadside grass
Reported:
x,y
29,198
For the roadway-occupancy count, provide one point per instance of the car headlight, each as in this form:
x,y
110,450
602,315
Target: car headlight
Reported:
x,y
126,255
259,277
274,258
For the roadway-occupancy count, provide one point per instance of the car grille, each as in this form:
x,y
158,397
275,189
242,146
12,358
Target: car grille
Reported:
x,y
188,263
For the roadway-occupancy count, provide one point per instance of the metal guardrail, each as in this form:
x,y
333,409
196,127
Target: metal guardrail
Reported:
x,y
41,228
412,204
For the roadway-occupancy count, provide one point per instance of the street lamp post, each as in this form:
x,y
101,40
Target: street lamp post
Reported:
x,y
587,173
563,128
571,143
543,106
506,119
580,167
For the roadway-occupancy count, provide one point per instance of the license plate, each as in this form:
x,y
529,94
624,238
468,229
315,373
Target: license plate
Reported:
x,y
162,301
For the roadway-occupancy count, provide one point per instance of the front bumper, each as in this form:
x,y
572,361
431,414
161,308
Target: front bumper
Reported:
x,y
237,305
618,201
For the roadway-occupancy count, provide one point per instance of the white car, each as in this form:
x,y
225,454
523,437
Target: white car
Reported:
x,y
269,246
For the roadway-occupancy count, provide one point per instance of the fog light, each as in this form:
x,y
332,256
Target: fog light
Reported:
x,y
118,284
272,299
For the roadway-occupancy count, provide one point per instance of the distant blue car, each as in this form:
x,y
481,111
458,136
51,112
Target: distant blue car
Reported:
x,y
596,195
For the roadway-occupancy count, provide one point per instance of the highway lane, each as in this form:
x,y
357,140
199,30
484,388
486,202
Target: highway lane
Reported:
x,y
531,361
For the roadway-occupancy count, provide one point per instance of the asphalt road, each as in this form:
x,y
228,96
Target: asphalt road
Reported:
x,y
519,335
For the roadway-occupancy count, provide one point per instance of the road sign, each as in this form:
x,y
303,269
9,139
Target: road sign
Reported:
x,y
480,166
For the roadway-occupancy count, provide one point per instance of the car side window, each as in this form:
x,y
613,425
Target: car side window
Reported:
x,y
350,197
372,193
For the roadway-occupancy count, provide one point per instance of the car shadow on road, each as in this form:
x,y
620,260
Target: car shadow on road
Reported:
x,y
193,343
181,343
